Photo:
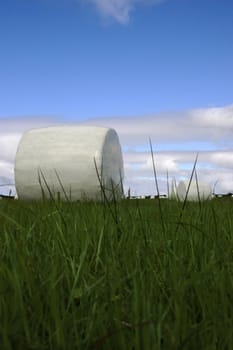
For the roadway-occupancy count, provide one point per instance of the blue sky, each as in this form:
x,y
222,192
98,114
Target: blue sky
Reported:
x,y
63,58
119,63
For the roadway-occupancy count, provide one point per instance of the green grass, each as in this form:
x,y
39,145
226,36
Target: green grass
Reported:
x,y
128,275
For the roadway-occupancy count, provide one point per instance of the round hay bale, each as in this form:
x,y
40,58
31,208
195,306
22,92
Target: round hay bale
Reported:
x,y
69,162
197,191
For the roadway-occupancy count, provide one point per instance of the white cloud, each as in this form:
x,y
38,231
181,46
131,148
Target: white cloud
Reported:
x,y
119,10
176,137
214,117
223,159
176,127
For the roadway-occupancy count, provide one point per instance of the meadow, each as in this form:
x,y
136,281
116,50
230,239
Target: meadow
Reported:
x,y
132,274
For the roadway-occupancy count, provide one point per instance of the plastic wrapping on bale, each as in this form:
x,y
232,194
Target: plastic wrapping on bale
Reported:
x,y
69,162
196,191
173,192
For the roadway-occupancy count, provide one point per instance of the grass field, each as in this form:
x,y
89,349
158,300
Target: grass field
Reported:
x,y
127,275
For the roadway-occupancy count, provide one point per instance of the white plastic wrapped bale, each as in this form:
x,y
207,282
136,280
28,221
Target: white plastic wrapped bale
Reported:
x,y
173,191
62,161
197,191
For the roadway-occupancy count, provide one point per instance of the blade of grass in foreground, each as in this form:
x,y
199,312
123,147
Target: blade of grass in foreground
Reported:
x,y
157,187
186,196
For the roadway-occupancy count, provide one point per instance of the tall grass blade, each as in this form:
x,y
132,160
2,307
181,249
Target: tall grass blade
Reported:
x,y
186,195
157,187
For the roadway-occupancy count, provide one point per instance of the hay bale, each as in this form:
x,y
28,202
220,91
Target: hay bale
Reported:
x,y
197,191
62,158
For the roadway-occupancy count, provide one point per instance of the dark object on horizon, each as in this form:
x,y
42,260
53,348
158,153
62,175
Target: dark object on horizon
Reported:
x,y
148,197
223,195
4,196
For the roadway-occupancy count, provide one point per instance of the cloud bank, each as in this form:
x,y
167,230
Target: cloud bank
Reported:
x,y
176,137
120,10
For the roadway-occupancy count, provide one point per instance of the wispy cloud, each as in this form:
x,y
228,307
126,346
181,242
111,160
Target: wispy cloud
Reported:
x,y
120,10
